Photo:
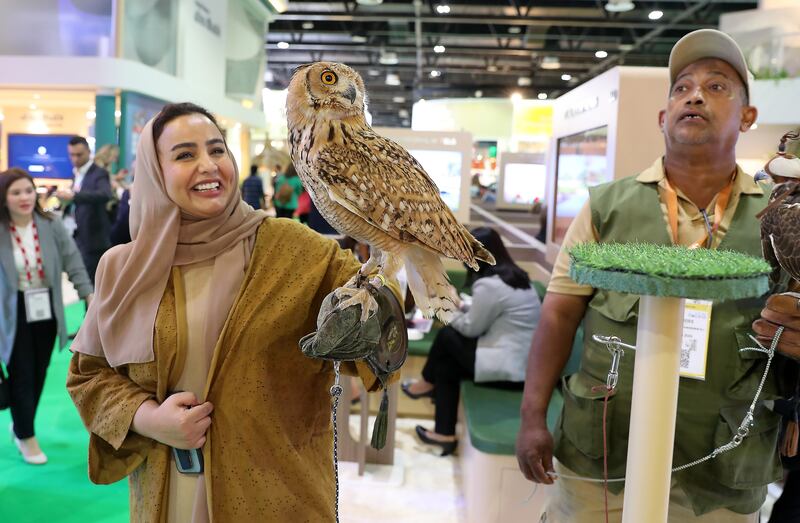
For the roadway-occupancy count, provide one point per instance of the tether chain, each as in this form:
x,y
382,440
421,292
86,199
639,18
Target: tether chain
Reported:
x,y
336,392
741,432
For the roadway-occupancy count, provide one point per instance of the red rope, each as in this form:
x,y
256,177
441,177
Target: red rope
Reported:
x,y
609,393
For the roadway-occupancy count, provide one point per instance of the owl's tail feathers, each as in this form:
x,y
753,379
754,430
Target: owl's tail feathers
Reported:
x,y
429,285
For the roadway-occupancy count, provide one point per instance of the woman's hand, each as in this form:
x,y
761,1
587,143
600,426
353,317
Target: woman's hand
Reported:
x,y
179,422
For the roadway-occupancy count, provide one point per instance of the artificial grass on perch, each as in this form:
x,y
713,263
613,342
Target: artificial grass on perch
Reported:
x,y
662,276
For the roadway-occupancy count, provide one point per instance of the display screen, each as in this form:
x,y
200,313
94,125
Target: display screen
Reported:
x,y
444,168
42,155
581,163
524,183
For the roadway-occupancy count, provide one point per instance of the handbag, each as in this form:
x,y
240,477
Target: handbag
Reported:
x,y
5,390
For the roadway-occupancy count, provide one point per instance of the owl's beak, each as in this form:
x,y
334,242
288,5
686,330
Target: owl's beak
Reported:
x,y
351,94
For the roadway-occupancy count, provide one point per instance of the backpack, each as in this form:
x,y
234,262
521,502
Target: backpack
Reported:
x,y
284,194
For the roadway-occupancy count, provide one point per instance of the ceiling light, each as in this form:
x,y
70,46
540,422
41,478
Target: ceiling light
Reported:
x,y
269,76
388,58
439,49
358,39
374,72
625,48
655,14
492,68
550,62
91,115
402,113
392,79
600,54
36,96
406,123
117,114
516,97
478,93
436,74
32,107
542,96
308,25
515,30
443,9
566,77
283,45
619,6
523,81
398,99
754,126
369,2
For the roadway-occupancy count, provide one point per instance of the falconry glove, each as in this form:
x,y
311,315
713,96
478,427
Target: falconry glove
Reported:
x,y
381,341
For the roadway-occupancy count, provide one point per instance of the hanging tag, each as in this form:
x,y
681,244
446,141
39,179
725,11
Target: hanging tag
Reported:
x,y
37,305
694,345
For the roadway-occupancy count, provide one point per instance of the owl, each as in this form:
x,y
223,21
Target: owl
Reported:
x,y
373,190
780,220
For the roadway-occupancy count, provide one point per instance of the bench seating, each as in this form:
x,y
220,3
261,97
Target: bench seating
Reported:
x,y
495,490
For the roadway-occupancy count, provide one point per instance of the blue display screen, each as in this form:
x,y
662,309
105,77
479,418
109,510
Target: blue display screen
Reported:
x,y
42,155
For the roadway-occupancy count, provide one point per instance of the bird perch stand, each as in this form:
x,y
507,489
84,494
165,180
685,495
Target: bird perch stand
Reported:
x,y
663,276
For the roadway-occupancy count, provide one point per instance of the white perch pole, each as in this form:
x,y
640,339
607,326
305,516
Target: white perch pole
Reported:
x,y
653,410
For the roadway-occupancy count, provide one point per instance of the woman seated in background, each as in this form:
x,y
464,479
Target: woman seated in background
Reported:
x,y
487,342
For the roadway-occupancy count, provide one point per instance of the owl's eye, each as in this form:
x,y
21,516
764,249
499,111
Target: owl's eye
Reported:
x,y
329,78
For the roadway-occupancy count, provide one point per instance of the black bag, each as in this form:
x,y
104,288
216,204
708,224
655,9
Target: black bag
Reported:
x,y
5,390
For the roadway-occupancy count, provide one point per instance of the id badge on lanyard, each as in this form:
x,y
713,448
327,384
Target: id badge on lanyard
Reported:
x,y
37,305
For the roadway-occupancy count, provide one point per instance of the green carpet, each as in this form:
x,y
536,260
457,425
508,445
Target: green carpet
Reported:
x,y
60,491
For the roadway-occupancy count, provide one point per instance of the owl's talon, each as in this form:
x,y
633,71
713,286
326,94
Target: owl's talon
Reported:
x,y
358,296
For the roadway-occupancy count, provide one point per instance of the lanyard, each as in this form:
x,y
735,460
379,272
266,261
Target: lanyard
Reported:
x,y
38,252
719,210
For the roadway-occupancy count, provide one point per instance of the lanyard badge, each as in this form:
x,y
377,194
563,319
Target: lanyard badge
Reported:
x,y
37,301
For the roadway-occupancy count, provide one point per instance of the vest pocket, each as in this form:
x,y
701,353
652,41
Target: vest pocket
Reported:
x,y
755,462
582,420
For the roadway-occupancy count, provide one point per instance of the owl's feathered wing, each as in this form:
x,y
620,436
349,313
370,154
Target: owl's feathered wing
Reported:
x,y
382,183
378,181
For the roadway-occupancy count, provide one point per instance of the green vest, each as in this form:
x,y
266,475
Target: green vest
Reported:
x,y
710,411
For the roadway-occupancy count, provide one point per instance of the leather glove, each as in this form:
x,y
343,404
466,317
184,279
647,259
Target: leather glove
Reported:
x,y
781,310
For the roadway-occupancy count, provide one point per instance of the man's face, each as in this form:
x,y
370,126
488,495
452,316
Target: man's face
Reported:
x,y
78,155
706,106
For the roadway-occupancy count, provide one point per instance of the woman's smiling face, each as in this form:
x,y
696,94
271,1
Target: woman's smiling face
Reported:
x,y
199,175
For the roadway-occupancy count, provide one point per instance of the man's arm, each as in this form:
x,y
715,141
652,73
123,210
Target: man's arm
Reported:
x,y
101,193
550,351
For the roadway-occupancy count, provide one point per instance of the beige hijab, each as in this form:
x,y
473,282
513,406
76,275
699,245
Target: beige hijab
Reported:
x,y
131,278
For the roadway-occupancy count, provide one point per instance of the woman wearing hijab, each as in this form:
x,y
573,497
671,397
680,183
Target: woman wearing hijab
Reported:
x,y
35,249
192,343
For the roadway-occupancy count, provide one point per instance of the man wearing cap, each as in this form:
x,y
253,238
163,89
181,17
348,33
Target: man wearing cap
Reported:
x,y
694,195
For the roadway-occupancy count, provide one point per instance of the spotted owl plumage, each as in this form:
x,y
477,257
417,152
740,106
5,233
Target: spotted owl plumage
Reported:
x,y
371,189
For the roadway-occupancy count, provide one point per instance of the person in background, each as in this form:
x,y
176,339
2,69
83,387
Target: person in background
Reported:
x,y
303,207
253,189
35,249
120,229
89,195
287,189
487,343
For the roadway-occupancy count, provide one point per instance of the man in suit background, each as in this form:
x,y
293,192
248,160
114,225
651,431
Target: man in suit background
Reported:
x,y
90,193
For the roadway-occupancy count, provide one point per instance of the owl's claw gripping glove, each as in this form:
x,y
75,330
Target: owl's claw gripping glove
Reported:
x,y
381,341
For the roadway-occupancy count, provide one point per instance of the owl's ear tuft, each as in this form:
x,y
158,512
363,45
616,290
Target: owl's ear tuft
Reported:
x,y
301,67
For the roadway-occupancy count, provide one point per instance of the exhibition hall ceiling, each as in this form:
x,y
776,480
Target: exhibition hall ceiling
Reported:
x,y
408,50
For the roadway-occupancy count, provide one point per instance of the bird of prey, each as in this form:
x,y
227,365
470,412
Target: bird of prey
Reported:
x,y
371,189
780,219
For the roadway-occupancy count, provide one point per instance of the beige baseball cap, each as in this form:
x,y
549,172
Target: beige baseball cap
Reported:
x,y
708,43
